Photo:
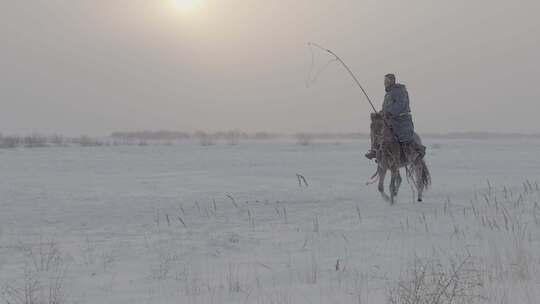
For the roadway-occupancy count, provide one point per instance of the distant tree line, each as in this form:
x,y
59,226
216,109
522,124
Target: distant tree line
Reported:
x,y
151,135
41,141
481,135
233,137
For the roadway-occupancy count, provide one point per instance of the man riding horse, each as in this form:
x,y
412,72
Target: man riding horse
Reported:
x,y
397,112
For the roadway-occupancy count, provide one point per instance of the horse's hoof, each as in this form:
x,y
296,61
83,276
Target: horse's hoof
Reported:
x,y
420,200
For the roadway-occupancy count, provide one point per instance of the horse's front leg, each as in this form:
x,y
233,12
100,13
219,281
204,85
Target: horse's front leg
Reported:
x,y
382,176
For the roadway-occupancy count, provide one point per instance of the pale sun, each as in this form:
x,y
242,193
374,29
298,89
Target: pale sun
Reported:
x,y
187,6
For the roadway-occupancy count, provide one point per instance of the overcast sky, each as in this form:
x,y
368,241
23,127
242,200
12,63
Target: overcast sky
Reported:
x,y
96,66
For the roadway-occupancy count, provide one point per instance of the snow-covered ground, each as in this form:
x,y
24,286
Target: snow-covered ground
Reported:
x,y
230,224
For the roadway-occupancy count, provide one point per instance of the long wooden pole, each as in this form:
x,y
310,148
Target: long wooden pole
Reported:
x,y
348,70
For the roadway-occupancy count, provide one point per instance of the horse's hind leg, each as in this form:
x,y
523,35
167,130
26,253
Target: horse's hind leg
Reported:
x,y
419,184
382,176
395,182
420,194
398,182
419,180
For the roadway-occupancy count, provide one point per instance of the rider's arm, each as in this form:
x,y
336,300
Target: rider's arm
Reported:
x,y
399,103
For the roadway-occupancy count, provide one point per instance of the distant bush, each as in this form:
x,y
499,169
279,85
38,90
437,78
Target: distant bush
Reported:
x,y
151,135
233,137
10,142
35,141
264,136
204,138
304,139
86,141
57,140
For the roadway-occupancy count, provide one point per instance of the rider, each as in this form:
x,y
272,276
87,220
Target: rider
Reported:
x,y
396,108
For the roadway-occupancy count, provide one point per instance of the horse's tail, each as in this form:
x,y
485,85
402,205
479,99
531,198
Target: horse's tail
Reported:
x,y
422,174
418,174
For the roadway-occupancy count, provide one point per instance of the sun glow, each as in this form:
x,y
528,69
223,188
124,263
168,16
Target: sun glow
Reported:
x,y
187,6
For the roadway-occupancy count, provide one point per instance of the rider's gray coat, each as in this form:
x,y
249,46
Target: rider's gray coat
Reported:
x,y
396,102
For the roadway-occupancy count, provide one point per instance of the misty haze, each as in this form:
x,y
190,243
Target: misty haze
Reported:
x,y
269,152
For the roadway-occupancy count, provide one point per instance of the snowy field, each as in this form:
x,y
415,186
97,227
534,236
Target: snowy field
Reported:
x,y
230,224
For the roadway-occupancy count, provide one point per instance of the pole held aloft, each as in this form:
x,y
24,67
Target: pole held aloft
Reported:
x,y
348,70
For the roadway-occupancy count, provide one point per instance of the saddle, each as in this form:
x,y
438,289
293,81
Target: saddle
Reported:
x,y
412,152
408,152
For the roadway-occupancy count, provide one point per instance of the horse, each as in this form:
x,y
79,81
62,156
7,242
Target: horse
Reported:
x,y
392,156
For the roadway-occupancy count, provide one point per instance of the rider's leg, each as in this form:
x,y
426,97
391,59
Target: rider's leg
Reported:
x,y
372,153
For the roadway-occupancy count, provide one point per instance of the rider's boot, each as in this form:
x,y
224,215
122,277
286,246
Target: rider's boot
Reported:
x,y
371,154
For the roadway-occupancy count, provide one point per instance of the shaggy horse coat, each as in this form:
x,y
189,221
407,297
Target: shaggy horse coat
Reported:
x,y
391,156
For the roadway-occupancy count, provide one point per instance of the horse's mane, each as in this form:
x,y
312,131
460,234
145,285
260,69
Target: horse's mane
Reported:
x,y
380,128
